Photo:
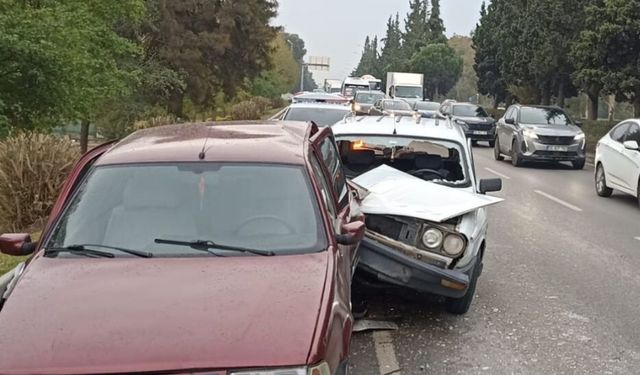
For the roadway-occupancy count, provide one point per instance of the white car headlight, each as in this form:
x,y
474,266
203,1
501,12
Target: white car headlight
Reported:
x,y
529,134
321,369
432,238
579,137
453,245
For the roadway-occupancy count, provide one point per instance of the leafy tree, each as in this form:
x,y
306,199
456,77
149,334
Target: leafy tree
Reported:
x,y
435,25
299,52
391,56
59,60
608,52
487,61
466,86
441,66
416,34
370,60
283,74
213,46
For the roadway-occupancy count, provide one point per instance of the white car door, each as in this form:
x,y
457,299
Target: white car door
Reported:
x,y
630,168
613,158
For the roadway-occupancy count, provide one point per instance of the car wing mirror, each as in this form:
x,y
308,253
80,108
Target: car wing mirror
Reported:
x,y
490,185
632,145
352,233
17,244
578,123
509,121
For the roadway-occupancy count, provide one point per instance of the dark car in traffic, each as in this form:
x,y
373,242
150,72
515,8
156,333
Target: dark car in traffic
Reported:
x,y
196,248
391,107
540,134
364,100
474,120
427,109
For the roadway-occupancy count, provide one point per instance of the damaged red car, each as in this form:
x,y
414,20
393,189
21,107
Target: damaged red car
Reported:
x,y
198,248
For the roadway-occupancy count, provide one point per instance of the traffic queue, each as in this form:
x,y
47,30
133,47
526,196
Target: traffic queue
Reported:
x,y
233,247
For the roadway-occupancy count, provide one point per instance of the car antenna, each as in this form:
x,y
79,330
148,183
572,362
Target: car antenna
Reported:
x,y
202,153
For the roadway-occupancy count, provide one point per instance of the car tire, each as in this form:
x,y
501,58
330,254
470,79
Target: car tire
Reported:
x,y
638,193
601,183
460,306
497,154
516,159
492,143
578,164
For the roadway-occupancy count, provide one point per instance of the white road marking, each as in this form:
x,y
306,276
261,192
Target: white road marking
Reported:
x,y
498,173
387,361
558,200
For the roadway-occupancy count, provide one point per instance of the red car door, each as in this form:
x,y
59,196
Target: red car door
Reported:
x,y
75,177
349,219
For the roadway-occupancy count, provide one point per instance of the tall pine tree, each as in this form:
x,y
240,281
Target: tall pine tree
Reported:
x,y
391,56
416,33
435,25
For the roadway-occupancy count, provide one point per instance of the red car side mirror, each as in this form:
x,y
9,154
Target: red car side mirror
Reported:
x,y
354,232
16,244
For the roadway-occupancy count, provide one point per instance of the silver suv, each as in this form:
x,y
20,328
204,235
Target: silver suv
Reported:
x,y
537,133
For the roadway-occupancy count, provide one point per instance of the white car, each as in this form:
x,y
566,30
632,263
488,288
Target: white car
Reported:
x,y
425,209
618,160
322,114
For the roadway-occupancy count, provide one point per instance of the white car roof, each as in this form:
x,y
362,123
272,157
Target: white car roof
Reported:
x,y
330,106
403,126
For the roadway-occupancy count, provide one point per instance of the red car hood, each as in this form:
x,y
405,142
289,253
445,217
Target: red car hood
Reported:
x,y
69,316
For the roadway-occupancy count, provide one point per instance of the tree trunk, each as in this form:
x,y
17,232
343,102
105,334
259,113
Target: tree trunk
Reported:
x,y
84,136
545,99
176,100
561,95
636,106
611,102
592,106
496,102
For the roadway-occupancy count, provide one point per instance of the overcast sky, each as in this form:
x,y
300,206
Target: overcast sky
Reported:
x,y
337,28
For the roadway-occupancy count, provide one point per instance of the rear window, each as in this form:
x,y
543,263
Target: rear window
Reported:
x,y
258,206
469,111
427,106
396,105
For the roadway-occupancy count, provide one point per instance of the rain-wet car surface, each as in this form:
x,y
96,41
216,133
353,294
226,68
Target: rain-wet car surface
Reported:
x,y
191,248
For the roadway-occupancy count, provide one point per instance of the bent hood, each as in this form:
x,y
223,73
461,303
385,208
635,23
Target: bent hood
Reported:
x,y
392,192
70,316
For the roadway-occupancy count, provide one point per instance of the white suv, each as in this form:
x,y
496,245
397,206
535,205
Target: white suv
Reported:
x,y
426,211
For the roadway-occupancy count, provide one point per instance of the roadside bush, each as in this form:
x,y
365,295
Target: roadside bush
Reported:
x,y
594,130
33,168
263,104
278,103
247,110
495,113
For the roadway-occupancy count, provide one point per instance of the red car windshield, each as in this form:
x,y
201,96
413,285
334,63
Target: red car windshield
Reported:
x,y
258,206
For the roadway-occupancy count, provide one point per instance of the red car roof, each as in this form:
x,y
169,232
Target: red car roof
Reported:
x,y
268,141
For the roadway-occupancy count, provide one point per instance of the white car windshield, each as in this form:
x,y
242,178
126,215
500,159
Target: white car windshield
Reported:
x,y
433,160
409,92
258,206
544,116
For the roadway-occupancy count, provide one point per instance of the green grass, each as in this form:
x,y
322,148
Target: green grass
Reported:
x,y
8,262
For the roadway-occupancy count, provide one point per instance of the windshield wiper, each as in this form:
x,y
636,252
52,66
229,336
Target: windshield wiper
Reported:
x,y
202,245
83,249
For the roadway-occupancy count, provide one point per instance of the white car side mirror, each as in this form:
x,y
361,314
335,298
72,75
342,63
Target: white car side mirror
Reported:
x,y
632,145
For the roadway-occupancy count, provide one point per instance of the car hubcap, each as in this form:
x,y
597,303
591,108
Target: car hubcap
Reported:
x,y
600,181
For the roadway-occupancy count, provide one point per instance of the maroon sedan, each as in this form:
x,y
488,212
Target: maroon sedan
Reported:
x,y
199,248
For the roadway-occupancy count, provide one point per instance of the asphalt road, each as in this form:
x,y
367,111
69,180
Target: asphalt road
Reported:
x,y
559,294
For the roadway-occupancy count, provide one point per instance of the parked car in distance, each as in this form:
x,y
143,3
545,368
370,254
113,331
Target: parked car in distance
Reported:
x,y
474,120
364,100
321,114
208,248
391,106
540,134
426,212
618,160
427,109
319,97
